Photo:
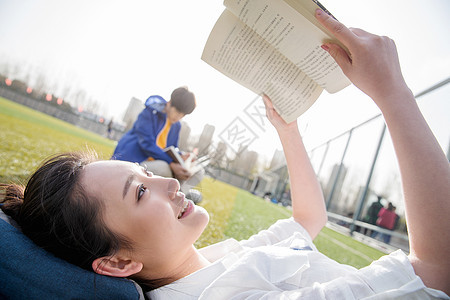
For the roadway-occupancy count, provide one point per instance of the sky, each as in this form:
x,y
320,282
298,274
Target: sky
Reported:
x,y
116,50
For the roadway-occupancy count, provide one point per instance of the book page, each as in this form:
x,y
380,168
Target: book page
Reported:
x,y
293,35
241,54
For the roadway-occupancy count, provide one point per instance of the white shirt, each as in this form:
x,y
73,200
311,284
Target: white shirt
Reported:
x,y
283,263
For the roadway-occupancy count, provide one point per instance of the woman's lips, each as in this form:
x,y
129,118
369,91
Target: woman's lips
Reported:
x,y
189,209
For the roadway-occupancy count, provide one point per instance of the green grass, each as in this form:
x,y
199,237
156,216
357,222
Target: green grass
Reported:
x,y
27,137
235,213
218,200
252,214
344,249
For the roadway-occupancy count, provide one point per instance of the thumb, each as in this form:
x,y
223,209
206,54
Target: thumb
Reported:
x,y
340,56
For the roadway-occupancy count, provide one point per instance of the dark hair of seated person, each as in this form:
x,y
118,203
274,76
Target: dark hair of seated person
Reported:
x,y
183,100
57,214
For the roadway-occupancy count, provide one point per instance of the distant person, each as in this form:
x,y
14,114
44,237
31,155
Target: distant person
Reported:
x,y
372,214
109,130
386,220
156,128
387,237
267,196
255,187
274,200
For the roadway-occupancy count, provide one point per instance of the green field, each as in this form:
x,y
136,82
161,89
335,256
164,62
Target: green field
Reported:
x,y
27,137
239,214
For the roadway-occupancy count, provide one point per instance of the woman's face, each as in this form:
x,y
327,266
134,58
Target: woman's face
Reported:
x,y
148,210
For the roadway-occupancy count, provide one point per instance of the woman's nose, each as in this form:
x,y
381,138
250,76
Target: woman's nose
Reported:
x,y
172,188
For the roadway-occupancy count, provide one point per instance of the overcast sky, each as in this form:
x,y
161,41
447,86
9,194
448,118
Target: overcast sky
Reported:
x,y
116,50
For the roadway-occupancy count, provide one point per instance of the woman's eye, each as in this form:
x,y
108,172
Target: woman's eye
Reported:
x,y
140,191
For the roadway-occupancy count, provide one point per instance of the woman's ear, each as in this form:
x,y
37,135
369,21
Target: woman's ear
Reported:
x,y
116,266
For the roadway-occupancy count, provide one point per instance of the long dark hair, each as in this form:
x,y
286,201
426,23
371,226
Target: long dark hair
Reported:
x,y
57,214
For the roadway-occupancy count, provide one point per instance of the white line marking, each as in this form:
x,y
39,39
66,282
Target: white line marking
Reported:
x,y
340,244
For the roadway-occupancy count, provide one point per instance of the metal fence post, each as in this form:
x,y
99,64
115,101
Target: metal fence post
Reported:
x,y
323,159
357,213
338,173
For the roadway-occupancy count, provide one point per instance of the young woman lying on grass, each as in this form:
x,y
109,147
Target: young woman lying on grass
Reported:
x,y
116,219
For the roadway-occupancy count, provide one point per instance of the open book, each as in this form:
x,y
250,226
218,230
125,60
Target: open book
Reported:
x,y
274,47
193,166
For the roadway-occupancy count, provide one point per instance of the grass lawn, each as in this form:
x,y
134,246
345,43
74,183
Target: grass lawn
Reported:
x,y
27,137
239,214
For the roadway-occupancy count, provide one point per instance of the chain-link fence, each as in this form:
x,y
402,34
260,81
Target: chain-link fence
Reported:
x,y
358,168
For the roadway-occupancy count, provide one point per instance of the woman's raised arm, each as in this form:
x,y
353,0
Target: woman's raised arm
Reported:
x,y
308,205
373,66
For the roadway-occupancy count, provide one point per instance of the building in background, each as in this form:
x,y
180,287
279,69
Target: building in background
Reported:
x,y
218,156
185,138
248,163
205,140
244,162
278,159
134,108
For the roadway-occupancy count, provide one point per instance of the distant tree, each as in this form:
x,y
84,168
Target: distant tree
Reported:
x,y
19,86
2,80
16,71
27,72
79,98
5,68
92,105
40,82
65,92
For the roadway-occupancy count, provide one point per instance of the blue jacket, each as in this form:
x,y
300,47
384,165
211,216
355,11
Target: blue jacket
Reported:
x,y
138,144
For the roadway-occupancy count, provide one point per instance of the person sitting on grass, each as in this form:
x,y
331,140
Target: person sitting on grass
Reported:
x,y
117,219
156,128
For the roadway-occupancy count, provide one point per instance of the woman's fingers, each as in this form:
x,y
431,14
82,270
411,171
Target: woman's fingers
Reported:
x,y
270,110
267,102
345,35
274,117
372,64
340,56
342,33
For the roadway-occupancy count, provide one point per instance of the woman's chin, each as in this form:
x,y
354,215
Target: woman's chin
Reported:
x,y
204,216
196,220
